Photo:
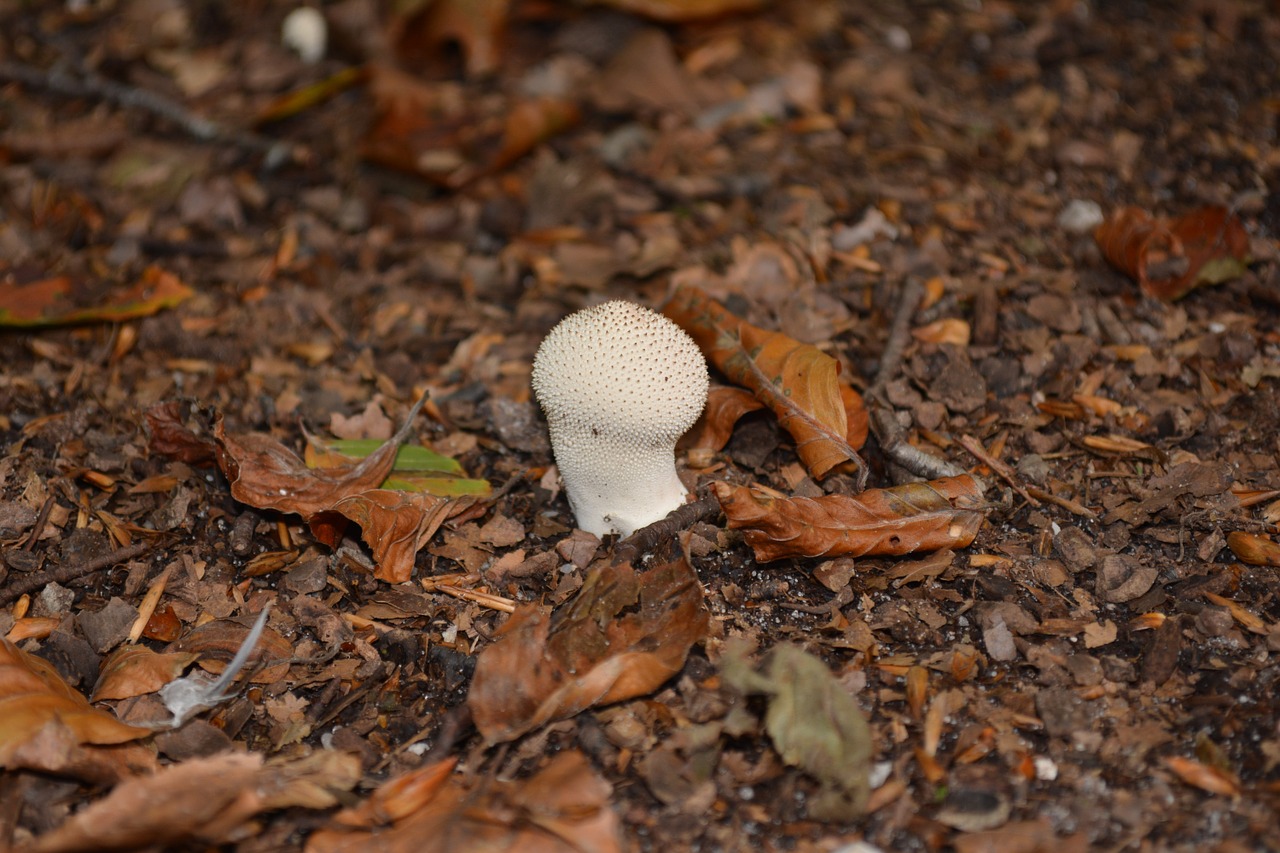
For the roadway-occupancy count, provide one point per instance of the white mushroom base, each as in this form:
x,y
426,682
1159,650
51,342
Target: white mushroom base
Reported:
x,y
636,491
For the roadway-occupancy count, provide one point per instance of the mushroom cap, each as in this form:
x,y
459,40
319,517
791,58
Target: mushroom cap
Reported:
x,y
620,372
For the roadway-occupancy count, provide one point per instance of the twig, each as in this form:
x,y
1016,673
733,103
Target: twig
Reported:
x,y
70,572
648,538
484,599
980,453
93,86
899,334
37,530
899,450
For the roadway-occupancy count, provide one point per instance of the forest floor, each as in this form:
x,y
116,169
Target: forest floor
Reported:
x,y
1096,670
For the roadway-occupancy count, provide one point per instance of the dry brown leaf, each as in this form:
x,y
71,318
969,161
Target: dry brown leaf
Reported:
x,y
1169,258
33,695
476,26
944,513
622,635
1204,777
798,382
429,129
395,524
1253,549
137,671
265,474
170,436
725,407
216,643
563,807
683,10
202,799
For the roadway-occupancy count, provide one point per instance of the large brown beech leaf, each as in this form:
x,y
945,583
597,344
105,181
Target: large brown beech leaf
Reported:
x,y
798,382
622,635
1169,258
944,513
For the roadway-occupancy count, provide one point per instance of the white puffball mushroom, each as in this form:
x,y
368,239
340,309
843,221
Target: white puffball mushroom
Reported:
x,y
619,384
305,32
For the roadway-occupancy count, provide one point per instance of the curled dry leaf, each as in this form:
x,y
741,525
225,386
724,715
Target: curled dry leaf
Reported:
x,y
170,436
1202,776
943,513
798,382
1253,549
564,806
201,800
136,671
1169,258
622,635
33,696
216,643
725,407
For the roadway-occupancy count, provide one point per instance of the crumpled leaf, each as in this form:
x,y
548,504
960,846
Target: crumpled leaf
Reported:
x,y
170,436
33,696
1170,258
395,524
798,382
1253,549
477,26
58,301
815,724
220,641
622,635
562,807
137,670
943,513
202,799
431,130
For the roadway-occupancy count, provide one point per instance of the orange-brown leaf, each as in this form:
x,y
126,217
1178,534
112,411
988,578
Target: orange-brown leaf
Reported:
x,y
1253,549
1170,258
396,525
683,10
217,642
136,671
725,407
60,301
798,382
944,513
33,695
622,635
1202,776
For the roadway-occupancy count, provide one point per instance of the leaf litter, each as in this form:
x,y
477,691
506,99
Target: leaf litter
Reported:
x,y
1086,663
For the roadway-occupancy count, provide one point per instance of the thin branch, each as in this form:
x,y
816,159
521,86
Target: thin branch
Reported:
x,y
899,334
647,539
95,87
71,571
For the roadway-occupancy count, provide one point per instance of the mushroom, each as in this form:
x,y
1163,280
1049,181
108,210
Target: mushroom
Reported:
x,y
619,384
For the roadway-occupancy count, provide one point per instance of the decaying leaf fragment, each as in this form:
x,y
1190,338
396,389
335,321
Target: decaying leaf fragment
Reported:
x,y
622,635
798,382
1169,258
202,799
35,700
563,807
815,725
943,513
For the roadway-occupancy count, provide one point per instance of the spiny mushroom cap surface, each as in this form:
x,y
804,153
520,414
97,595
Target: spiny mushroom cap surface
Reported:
x,y
620,372
620,384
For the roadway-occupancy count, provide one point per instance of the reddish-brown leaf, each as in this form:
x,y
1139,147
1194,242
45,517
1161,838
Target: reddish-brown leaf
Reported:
x,y
944,513
265,474
798,382
170,436
475,26
395,524
725,407
622,635
1204,777
1254,549
429,129
683,10
1169,258
61,301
